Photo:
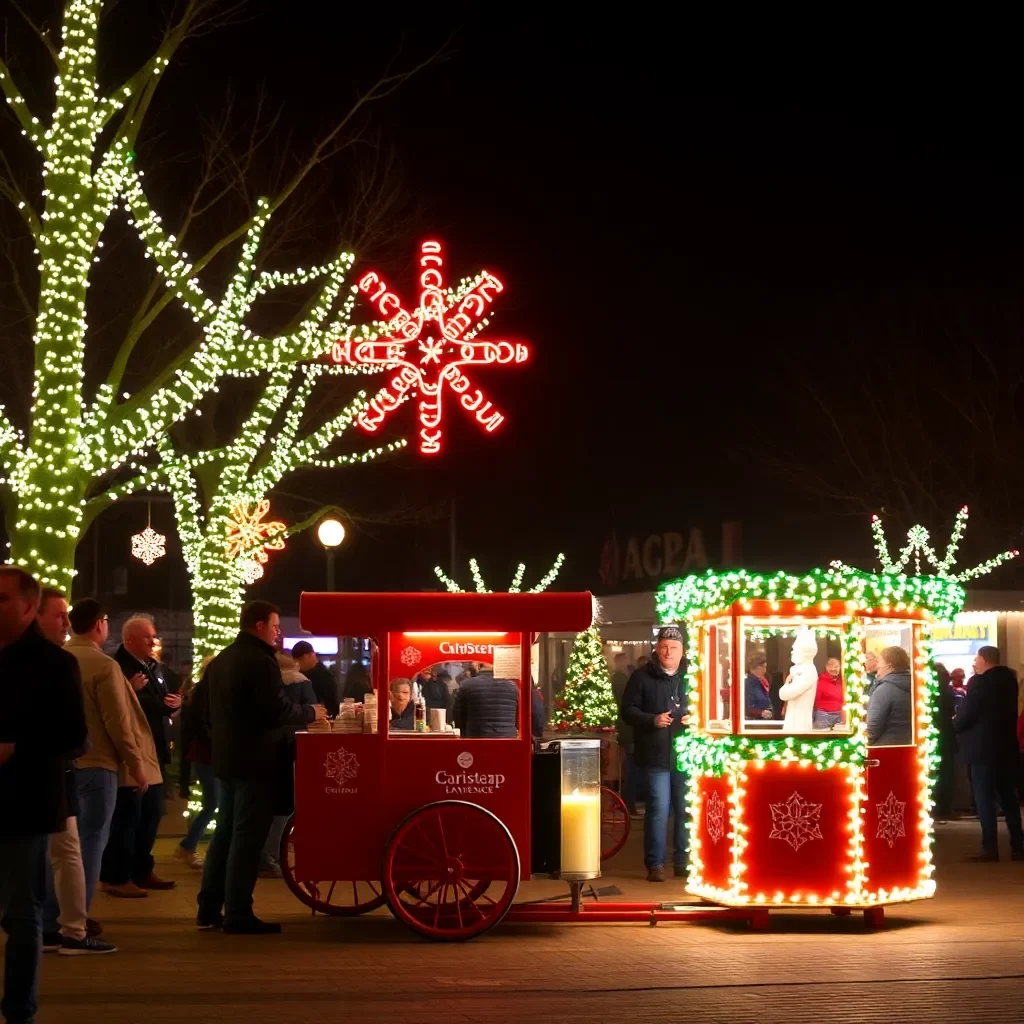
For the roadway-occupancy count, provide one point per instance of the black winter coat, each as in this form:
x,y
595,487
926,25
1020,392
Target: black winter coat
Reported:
x,y
151,697
41,713
250,713
650,692
486,707
986,723
325,686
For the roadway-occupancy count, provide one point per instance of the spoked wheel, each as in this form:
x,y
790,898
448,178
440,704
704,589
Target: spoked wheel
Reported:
x,y
614,823
338,899
450,871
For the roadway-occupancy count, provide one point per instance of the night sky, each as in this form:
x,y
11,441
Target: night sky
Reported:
x,y
742,254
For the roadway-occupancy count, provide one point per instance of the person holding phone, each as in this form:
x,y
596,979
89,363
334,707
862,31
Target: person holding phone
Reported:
x,y
654,704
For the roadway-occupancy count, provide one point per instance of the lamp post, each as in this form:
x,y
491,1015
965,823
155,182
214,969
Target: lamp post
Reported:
x,y
330,533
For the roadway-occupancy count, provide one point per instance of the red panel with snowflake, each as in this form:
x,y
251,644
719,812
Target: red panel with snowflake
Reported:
x,y
797,822
892,828
713,830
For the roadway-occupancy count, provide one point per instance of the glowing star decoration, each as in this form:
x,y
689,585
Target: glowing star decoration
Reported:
x,y
411,656
429,347
250,536
715,816
891,819
149,545
341,766
796,821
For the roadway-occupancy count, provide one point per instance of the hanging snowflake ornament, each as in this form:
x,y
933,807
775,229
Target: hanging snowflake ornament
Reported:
x,y
429,347
714,814
251,571
249,536
149,545
891,819
795,821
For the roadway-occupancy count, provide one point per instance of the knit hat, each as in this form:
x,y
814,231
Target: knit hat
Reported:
x,y
301,648
670,633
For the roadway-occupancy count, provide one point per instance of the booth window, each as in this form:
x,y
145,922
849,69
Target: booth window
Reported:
x,y
889,660
789,687
717,652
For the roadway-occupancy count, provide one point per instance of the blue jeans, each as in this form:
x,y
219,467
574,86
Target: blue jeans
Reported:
x,y
826,719
211,801
272,847
97,795
22,886
233,858
633,778
990,781
665,789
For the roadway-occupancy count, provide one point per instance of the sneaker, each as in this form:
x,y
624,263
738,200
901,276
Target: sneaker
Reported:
x,y
51,942
254,926
208,924
188,857
656,874
93,928
85,947
128,891
152,882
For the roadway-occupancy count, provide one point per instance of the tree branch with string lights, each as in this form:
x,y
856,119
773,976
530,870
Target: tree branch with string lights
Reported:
x,y
67,458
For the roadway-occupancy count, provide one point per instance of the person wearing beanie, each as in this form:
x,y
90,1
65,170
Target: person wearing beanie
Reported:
x,y
654,704
325,686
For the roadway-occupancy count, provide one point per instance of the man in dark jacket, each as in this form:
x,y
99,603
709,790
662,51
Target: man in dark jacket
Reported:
x,y
487,708
986,727
325,686
133,829
655,705
250,716
42,720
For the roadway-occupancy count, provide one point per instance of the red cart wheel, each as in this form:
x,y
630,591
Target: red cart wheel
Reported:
x,y
614,823
338,899
450,871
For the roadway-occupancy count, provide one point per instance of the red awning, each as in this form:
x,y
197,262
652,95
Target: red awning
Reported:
x,y
371,614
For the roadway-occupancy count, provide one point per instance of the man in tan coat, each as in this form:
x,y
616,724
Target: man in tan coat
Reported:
x,y
121,749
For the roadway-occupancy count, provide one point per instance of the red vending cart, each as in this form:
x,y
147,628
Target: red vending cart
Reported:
x,y
434,824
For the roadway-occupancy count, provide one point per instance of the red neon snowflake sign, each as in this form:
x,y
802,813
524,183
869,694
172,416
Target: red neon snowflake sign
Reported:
x,y
429,347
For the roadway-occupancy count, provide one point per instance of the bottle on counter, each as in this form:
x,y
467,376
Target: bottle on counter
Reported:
x,y
421,715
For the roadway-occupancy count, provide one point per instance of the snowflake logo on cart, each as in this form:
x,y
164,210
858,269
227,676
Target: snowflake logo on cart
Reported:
x,y
796,821
341,766
411,656
714,813
891,823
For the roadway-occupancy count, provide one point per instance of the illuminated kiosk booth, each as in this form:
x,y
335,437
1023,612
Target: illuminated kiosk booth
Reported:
x,y
816,818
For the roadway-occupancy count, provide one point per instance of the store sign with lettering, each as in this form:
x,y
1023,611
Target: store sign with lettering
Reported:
x,y
466,783
411,653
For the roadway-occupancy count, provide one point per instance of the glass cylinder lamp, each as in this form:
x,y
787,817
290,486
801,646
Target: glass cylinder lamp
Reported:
x,y
581,809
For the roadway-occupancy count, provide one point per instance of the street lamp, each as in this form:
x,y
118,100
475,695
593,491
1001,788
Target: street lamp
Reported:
x,y
330,533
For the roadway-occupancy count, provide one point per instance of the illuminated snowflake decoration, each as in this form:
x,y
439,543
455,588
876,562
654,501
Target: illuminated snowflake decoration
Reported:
x,y
341,766
149,545
411,656
796,821
249,536
891,819
429,346
714,815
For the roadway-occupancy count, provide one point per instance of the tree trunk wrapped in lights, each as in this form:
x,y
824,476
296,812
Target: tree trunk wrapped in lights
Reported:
x,y
68,462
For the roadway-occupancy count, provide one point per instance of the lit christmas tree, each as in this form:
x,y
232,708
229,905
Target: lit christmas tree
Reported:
x,y
586,702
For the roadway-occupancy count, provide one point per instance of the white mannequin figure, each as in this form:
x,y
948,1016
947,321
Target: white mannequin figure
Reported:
x,y
801,685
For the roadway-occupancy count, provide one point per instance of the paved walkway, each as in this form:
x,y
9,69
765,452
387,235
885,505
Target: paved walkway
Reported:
x,y
959,957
